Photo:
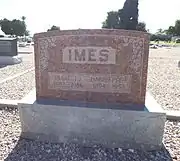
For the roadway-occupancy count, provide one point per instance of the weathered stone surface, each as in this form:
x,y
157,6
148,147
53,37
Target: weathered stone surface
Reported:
x,y
89,127
8,47
99,66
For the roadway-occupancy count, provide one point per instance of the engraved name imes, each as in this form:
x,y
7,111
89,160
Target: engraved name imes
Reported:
x,y
89,55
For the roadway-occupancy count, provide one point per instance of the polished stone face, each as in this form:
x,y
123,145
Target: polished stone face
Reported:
x,y
98,66
8,47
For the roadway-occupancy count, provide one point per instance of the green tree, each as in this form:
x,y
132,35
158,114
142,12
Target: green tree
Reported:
x,y
126,18
141,26
171,31
160,31
129,15
19,27
23,18
27,33
112,21
6,26
54,28
177,27
15,27
174,30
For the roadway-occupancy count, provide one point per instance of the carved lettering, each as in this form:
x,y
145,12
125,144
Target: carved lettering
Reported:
x,y
99,85
76,85
103,55
99,79
89,55
70,55
104,83
80,55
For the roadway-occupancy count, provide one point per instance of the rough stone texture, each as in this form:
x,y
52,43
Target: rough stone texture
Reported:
x,y
125,67
89,127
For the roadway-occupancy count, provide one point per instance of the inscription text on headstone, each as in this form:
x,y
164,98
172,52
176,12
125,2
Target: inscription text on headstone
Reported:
x,y
5,46
90,82
89,55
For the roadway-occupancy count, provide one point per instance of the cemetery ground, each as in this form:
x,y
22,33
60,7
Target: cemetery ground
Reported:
x,y
163,82
171,43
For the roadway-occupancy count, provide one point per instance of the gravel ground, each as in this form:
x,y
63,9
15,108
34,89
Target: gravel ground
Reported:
x,y
17,88
14,149
10,70
163,77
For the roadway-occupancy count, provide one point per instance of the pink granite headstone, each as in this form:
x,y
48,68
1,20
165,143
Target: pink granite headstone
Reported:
x,y
96,66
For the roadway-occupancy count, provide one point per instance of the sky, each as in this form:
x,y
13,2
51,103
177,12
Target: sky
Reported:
x,y
73,14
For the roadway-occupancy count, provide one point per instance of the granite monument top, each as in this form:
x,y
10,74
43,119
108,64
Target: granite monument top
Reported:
x,y
92,66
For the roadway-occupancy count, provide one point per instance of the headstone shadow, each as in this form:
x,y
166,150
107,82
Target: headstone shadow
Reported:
x,y
5,65
2,66
28,150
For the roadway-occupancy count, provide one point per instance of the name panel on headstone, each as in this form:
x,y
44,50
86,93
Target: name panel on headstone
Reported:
x,y
89,55
105,83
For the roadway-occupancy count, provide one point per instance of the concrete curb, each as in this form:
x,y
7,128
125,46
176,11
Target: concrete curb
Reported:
x,y
25,52
8,103
173,115
153,106
17,75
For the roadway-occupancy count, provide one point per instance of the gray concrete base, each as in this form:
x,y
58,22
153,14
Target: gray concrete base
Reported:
x,y
89,127
10,60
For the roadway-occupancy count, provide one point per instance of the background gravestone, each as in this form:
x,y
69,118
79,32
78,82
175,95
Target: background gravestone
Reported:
x,y
8,47
92,66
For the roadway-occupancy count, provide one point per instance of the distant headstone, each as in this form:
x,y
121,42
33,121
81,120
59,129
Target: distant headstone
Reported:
x,y
8,46
92,66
